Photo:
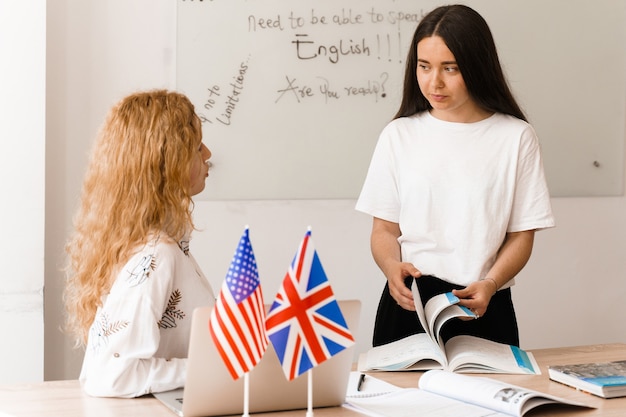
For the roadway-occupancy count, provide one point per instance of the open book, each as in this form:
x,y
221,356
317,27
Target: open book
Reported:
x,y
464,353
443,393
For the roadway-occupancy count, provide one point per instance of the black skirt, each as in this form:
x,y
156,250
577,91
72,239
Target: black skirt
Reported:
x,y
393,322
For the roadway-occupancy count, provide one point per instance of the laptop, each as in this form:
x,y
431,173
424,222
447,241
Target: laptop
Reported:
x,y
211,391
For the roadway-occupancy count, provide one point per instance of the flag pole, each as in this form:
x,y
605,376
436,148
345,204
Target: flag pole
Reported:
x,y
309,411
246,395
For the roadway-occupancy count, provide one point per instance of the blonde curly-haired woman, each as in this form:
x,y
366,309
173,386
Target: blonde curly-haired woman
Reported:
x,y
132,283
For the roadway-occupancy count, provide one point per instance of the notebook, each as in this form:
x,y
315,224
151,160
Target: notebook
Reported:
x,y
211,391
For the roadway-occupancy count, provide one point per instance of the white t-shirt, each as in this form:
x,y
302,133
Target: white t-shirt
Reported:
x,y
140,335
456,189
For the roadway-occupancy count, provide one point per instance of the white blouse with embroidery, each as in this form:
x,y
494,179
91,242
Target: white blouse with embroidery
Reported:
x,y
140,336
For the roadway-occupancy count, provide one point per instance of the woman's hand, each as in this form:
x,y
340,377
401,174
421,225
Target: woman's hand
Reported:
x,y
476,296
397,287
511,258
386,252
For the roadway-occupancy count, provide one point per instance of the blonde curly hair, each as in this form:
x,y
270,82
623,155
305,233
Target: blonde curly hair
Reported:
x,y
137,183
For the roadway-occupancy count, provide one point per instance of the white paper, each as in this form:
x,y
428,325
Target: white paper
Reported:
x,y
371,386
413,402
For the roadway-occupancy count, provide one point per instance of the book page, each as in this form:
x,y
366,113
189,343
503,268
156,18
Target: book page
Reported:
x,y
485,392
450,312
474,354
435,306
419,307
412,402
403,354
438,310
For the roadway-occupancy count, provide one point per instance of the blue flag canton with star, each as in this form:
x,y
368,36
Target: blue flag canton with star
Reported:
x,y
243,277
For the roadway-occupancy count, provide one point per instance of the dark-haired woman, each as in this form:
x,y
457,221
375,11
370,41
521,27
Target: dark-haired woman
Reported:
x,y
456,185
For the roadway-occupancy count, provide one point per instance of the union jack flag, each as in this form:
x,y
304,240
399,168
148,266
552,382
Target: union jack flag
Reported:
x,y
237,321
305,324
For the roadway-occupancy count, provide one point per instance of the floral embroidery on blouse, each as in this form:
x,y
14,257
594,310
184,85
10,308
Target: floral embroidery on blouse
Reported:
x,y
141,271
171,314
184,246
102,329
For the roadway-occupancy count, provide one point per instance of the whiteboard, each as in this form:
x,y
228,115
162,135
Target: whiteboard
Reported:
x,y
293,94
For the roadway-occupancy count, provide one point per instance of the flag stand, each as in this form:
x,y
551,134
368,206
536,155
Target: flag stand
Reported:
x,y
305,291
309,411
246,395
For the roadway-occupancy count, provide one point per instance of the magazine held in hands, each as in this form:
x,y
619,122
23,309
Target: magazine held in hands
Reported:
x,y
424,351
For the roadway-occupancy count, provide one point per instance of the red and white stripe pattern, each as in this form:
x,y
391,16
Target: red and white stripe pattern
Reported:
x,y
237,322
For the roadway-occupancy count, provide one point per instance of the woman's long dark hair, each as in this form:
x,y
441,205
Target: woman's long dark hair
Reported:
x,y
468,37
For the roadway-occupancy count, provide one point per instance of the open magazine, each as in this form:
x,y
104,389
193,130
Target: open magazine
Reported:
x,y
443,393
424,351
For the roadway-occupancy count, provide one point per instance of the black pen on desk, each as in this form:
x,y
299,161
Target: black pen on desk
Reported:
x,y
361,381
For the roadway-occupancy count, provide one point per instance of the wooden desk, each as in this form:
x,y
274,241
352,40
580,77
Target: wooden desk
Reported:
x,y
65,398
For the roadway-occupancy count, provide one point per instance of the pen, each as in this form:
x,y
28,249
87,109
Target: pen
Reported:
x,y
361,380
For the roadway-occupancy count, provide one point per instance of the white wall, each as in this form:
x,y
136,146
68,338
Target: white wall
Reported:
x,y
570,293
22,186
98,51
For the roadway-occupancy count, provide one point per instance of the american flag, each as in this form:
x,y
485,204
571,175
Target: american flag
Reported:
x,y
237,320
305,323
